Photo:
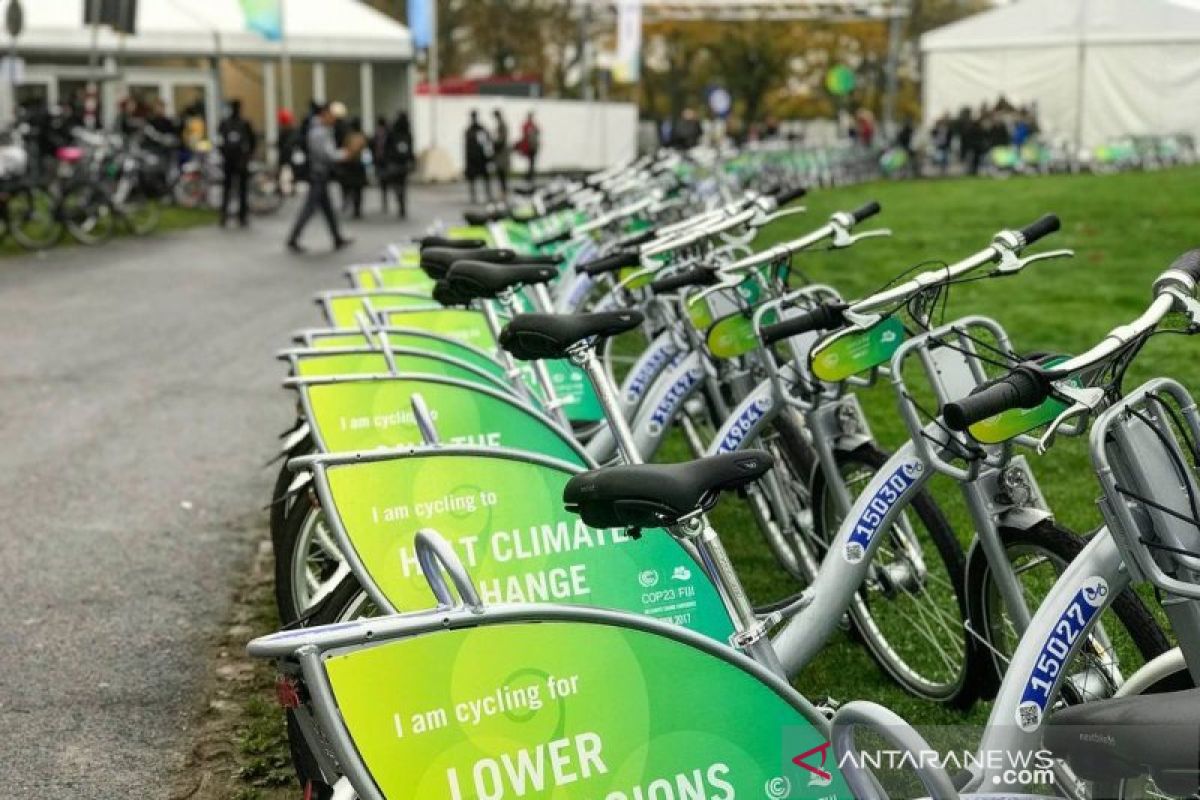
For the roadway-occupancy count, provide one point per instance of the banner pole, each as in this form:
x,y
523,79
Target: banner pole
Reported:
x,y
285,60
434,75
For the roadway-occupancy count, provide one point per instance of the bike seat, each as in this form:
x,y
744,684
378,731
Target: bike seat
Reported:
x,y
476,217
1128,737
530,337
483,279
443,241
448,296
436,261
656,495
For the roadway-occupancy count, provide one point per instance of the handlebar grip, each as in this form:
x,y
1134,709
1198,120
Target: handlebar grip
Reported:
x,y
821,318
866,211
636,239
442,241
789,195
1024,387
609,263
1188,263
697,276
1045,226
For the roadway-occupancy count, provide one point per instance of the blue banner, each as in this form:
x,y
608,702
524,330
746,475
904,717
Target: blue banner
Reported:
x,y
420,22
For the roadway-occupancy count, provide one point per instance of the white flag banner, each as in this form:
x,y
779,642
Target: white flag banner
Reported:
x,y
628,65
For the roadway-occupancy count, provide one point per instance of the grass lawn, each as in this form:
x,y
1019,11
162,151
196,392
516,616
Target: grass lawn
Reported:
x,y
1125,230
173,218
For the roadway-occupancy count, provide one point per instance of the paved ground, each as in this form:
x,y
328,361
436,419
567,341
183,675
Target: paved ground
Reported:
x,y
138,401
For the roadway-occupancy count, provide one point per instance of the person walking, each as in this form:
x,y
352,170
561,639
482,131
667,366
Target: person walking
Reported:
x,y
237,142
352,171
379,137
323,154
502,153
398,160
477,152
529,145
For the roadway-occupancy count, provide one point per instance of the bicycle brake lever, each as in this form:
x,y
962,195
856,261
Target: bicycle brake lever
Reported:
x,y
1086,400
1009,263
843,238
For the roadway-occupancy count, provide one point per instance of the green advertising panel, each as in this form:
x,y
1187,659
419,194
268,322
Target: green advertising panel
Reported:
x,y
408,278
735,334
317,364
841,357
1016,421
571,384
699,312
504,516
469,327
572,711
435,345
371,413
342,310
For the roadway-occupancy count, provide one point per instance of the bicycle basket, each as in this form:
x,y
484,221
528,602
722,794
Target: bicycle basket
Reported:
x,y
1145,452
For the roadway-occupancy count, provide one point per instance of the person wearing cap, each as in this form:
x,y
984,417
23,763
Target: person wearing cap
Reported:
x,y
323,156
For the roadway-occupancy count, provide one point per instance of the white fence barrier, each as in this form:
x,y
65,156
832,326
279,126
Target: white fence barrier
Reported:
x,y
574,135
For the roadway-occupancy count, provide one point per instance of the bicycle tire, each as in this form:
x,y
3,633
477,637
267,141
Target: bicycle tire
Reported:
x,y
281,504
795,462
16,222
305,526
1140,626
141,214
91,220
338,606
960,687
264,197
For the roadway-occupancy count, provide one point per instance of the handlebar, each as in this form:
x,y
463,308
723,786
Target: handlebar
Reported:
x,y
1039,229
785,195
866,211
697,276
609,263
822,318
839,220
1005,244
1026,386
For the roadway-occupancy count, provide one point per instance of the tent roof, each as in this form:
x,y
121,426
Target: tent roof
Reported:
x,y
1034,23
315,29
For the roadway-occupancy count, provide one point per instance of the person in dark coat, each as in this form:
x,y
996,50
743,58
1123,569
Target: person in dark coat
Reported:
x,y
237,143
477,153
502,153
352,173
398,159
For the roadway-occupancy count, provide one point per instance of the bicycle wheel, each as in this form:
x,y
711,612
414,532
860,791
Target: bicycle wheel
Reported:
x,y
345,603
1127,636
190,190
785,516
33,218
281,504
308,562
910,611
264,196
140,212
87,213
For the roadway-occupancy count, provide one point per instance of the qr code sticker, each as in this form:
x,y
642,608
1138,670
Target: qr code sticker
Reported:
x,y
854,551
1029,716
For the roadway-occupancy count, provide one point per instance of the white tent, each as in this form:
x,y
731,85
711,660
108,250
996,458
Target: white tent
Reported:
x,y
1095,69
318,29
